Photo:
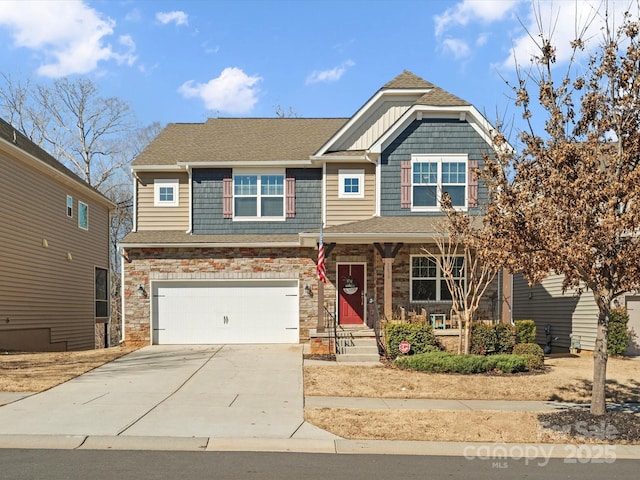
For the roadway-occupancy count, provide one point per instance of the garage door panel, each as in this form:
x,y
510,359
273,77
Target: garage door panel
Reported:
x,y
226,312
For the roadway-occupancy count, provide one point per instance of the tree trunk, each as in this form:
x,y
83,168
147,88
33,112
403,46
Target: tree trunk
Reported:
x,y
467,333
600,356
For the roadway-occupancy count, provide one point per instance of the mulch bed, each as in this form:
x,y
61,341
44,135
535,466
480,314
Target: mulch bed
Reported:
x,y
582,425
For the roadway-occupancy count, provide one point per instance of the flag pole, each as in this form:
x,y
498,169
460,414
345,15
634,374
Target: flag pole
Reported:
x,y
322,278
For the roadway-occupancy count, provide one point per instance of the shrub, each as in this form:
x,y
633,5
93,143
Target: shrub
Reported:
x,y
532,352
525,331
492,339
419,335
444,362
618,336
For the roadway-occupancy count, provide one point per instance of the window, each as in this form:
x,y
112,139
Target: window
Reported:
x,y
102,292
69,206
83,216
351,183
427,280
258,196
165,193
433,175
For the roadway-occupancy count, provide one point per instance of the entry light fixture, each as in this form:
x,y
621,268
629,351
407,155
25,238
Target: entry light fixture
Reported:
x,y
141,291
308,291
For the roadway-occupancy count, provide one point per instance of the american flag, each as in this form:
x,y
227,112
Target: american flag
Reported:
x,y
322,272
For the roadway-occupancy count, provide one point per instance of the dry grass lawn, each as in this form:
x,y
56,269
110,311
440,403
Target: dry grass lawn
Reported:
x,y
35,372
567,378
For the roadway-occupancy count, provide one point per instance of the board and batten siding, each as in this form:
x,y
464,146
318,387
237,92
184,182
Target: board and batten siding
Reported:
x,y
207,205
343,210
47,294
376,124
151,217
545,304
427,136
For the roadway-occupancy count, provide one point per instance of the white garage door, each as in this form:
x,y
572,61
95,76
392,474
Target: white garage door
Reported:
x,y
243,311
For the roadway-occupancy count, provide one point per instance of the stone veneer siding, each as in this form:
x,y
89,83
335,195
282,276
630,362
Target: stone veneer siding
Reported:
x,y
149,264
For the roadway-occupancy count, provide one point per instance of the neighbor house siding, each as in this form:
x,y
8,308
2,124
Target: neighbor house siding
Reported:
x,y
151,217
428,136
343,210
546,305
376,124
207,205
47,269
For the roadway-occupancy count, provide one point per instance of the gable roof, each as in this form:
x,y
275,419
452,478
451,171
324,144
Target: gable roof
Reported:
x,y
407,79
239,140
17,140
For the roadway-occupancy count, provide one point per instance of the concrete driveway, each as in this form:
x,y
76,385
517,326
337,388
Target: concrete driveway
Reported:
x,y
239,391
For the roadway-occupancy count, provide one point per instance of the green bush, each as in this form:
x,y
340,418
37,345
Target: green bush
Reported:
x,y
532,352
444,362
618,336
492,339
525,331
419,335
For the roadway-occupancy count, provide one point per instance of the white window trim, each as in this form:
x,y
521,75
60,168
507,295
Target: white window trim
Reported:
x,y
259,173
164,183
343,174
440,159
69,207
80,216
439,279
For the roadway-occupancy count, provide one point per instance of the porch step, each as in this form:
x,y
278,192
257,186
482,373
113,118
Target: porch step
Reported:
x,y
361,347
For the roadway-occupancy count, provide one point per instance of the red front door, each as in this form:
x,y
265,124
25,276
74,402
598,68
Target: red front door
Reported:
x,y
351,288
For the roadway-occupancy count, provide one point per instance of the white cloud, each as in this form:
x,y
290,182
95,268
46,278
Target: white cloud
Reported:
x,y
457,47
134,15
331,75
563,21
468,11
177,16
233,91
69,36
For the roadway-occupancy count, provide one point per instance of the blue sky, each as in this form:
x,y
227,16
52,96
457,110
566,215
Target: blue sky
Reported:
x,y
185,61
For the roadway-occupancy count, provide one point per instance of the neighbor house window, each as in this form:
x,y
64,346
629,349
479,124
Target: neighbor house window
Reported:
x,y
351,183
165,193
258,196
83,215
433,175
102,292
69,206
428,282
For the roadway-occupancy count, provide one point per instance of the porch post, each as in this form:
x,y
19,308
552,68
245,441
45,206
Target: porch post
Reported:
x,y
388,254
388,291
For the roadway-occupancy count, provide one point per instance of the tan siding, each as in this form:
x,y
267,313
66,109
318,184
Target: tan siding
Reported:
x,y
151,217
343,210
39,287
545,304
376,123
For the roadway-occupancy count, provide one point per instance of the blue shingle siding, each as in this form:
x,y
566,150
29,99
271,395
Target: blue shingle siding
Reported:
x,y
207,205
430,136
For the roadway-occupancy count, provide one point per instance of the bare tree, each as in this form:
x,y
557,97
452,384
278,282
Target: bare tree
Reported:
x,y
466,255
567,203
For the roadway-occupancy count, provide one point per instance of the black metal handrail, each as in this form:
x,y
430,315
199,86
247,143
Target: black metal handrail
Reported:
x,y
331,324
374,321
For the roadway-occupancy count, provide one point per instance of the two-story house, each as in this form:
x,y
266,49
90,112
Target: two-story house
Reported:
x,y
228,216
54,252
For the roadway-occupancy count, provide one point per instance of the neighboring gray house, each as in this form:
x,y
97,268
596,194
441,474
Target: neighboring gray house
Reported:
x,y
54,252
228,212
566,313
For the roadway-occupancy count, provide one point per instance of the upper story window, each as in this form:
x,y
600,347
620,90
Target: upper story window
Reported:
x,y
351,183
69,206
165,193
428,282
83,215
433,175
258,196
